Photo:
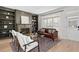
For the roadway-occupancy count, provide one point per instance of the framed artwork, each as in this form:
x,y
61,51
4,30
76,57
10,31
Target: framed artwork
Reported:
x,y
25,20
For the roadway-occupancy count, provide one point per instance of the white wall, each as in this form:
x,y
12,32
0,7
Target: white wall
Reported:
x,y
63,28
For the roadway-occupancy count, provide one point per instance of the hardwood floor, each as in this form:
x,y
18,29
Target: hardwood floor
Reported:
x,y
5,45
62,46
65,46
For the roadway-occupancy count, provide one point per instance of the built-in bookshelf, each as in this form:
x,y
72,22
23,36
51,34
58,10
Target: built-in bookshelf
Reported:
x,y
34,23
7,21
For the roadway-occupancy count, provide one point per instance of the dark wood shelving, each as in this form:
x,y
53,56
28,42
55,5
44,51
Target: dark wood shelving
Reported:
x,y
7,20
34,23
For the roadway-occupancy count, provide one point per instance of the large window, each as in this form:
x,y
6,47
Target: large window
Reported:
x,y
73,22
50,22
47,23
56,21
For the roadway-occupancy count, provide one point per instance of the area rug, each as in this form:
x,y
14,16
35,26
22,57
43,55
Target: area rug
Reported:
x,y
44,44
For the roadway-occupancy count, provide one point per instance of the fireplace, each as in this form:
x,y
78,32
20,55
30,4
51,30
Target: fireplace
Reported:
x,y
25,30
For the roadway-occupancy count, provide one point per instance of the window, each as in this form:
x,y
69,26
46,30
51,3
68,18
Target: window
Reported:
x,y
50,22
47,23
56,21
73,22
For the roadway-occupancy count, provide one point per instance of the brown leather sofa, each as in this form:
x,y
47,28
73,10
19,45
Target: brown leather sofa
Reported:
x,y
49,33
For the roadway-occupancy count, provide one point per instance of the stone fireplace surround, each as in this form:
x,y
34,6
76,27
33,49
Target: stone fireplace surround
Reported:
x,y
25,29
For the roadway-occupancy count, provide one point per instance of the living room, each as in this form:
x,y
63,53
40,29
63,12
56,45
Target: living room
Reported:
x,y
50,29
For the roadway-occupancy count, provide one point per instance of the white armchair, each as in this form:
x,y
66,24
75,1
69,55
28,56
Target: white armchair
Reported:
x,y
26,43
13,32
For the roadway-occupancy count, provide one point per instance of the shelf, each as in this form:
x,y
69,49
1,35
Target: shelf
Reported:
x,y
6,14
7,24
34,23
7,20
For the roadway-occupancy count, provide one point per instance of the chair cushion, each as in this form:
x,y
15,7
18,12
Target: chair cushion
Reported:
x,y
14,32
20,39
25,40
31,46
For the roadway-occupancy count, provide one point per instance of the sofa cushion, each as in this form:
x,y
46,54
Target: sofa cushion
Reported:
x,y
42,30
50,31
53,31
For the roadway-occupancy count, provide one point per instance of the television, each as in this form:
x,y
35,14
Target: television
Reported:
x,y
25,20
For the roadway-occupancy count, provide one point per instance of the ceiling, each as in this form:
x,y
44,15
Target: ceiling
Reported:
x,y
34,9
